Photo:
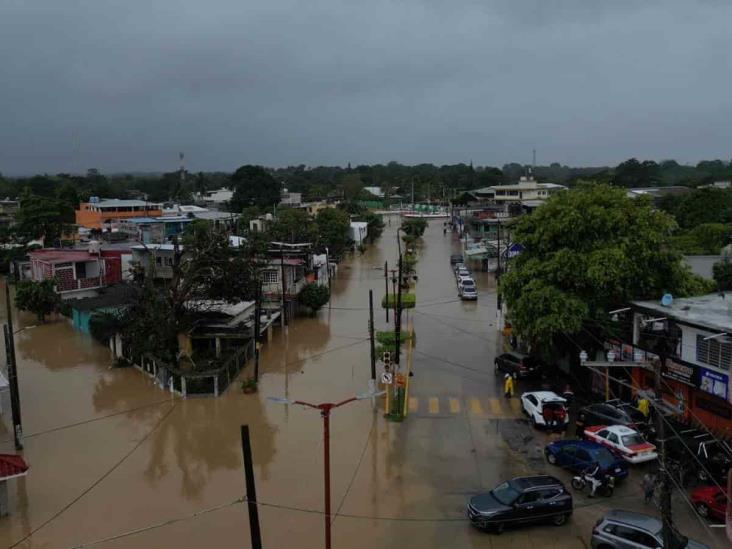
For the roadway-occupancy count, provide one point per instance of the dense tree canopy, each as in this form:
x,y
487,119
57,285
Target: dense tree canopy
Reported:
x,y
254,186
332,225
587,252
722,271
45,217
37,297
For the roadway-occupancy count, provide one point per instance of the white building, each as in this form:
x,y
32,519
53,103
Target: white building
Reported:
x,y
527,188
288,199
358,231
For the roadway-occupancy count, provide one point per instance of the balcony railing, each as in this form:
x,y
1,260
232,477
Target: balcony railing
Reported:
x,y
79,284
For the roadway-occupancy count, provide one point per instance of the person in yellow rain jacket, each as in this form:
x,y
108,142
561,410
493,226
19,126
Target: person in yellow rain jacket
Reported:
x,y
508,386
644,406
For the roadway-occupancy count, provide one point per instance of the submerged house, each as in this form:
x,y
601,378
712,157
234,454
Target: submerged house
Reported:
x,y
109,300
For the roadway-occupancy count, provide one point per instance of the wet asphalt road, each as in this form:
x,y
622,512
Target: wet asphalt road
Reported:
x,y
117,462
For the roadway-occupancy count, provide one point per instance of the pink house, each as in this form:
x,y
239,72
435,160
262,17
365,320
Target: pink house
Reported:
x,y
75,270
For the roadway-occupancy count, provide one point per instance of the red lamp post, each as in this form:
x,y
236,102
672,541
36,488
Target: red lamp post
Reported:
x,y
325,408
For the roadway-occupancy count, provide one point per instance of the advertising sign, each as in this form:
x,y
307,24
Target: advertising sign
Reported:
x,y
714,383
679,372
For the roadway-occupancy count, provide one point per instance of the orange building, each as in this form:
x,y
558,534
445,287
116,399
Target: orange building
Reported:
x,y
100,214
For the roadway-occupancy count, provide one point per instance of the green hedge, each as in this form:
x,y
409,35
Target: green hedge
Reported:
x,y
408,301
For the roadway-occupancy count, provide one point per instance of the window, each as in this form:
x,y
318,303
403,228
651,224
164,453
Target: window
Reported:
x,y
612,437
532,399
582,455
271,277
81,270
603,433
714,352
569,450
549,493
530,497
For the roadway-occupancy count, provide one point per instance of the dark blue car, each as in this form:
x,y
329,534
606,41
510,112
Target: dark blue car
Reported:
x,y
578,455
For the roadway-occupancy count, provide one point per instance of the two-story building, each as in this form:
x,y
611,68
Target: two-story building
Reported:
x,y
155,258
77,273
695,334
102,214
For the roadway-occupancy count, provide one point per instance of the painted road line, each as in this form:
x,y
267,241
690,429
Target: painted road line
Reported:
x,y
496,408
516,405
454,406
475,408
434,405
413,405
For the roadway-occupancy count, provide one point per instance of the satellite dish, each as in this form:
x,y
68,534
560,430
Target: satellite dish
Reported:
x,y
667,300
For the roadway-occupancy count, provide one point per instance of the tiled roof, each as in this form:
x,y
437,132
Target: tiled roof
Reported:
x,y
12,465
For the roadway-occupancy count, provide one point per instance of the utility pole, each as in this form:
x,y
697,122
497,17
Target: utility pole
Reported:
x,y
13,373
327,270
386,285
398,315
371,337
284,284
251,494
257,328
665,503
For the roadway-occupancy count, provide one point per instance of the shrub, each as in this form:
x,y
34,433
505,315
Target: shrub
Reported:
x,y
313,296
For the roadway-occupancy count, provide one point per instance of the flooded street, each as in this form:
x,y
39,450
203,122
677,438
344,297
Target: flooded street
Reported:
x,y
117,462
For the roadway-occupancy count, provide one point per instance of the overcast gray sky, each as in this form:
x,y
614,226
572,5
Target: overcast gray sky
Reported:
x,y
124,85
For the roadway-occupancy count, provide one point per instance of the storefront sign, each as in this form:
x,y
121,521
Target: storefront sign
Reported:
x,y
679,372
714,383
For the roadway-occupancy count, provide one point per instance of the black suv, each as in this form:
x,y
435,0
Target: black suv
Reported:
x,y
516,363
519,501
455,259
615,412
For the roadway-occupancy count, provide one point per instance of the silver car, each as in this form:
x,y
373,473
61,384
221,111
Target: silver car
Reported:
x,y
627,530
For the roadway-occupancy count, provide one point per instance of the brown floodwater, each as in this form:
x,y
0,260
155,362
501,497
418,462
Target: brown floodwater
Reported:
x,y
118,462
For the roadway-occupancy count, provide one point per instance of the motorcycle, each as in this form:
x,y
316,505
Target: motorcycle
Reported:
x,y
606,488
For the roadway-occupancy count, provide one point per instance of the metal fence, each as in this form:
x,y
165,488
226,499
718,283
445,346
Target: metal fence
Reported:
x,y
211,382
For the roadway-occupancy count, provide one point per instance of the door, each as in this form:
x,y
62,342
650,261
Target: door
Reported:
x,y
582,461
528,507
566,456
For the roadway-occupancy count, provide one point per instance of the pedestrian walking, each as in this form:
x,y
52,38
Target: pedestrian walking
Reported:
x,y
508,386
649,486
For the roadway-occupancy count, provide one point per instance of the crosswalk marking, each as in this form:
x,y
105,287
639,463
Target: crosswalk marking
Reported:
x,y
434,405
515,405
475,408
486,407
454,406
495,406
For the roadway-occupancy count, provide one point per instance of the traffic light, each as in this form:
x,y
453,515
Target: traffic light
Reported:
x,y
386,358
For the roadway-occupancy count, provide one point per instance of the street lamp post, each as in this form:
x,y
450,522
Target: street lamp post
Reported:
x,y
325,409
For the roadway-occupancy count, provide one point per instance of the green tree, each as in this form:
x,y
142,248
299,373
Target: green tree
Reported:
x,y
313,296
632,173
37,297
333,225
45,217
700,206
586,252
254,186
105,324
722,272
294,226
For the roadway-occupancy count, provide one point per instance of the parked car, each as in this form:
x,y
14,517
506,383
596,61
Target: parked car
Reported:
x,y
516,363
521,500
710,502
615,413
467,290
625,530
462,273
578,455
545,409
457,258
624,441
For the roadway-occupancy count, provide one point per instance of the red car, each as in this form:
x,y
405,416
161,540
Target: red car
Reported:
x,y
710,502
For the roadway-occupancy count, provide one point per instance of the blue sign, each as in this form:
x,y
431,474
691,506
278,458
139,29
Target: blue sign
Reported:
x,y
714,383
514,250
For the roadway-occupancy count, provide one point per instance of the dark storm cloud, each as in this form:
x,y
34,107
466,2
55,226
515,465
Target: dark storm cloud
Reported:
x,y
126,85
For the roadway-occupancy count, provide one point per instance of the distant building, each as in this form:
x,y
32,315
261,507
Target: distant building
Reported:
x,y
358,231
376,191
717,185
657,193
77,273
288,199
8,211
216,199
153,230
526,189
101,214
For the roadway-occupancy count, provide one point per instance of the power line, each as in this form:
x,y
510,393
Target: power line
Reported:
x,y
96,482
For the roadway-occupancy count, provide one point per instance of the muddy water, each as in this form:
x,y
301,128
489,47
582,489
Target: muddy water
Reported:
x,y
111,453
